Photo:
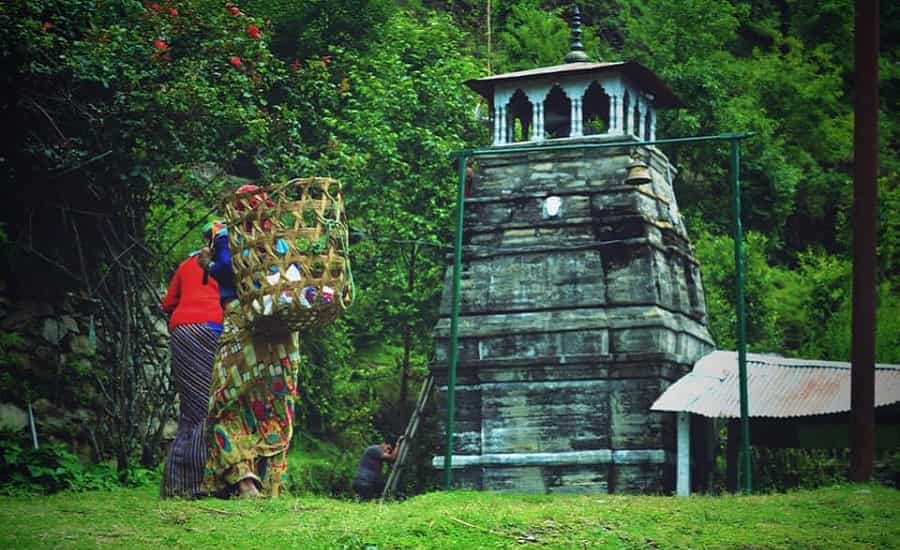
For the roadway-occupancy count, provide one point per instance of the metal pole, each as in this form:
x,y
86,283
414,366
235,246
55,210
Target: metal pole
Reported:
x,y
741,322
32,425
540,148
865,210
454,324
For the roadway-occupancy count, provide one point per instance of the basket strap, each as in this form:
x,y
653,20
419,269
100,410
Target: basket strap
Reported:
x,y
345,245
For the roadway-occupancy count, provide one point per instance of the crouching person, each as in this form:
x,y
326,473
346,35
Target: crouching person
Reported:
x,y
368,483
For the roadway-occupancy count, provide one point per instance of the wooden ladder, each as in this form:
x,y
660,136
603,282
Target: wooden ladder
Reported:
x,y
394,477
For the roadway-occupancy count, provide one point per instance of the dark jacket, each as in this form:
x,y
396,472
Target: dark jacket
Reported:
x,y
220,269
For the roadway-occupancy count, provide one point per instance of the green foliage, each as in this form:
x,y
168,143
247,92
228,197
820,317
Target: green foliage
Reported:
x,y
167,99
48,469
4,242
757,66
535,37
320,468
784,469
24,377
889,225
12,365
151,107
304,30
716,257
801,312
388,140
324,405
137,476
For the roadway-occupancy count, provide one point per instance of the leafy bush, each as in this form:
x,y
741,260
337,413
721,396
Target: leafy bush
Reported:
x,y
800,312
887,468
783,469
716,256
12,365
319,468
48,469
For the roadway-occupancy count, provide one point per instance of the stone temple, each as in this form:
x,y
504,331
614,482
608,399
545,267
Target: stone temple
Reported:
x,y
581,299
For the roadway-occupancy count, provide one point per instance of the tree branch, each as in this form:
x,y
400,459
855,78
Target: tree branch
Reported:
x,y
49,118
51,261
81,165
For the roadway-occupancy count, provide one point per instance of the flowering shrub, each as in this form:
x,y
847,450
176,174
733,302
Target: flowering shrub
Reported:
x,y
170,85
131,106
124,107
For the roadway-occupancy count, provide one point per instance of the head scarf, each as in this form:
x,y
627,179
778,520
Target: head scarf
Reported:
x,y
213,229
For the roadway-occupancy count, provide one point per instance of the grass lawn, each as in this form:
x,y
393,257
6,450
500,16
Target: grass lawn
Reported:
x,y
864,516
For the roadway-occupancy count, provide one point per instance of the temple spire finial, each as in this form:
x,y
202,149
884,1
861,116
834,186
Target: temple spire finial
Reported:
x,y
576,55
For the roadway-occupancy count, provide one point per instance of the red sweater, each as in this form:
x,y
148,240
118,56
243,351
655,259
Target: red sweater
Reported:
x,y
188,301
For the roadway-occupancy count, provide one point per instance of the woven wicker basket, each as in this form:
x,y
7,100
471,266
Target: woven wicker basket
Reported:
x,y
290,254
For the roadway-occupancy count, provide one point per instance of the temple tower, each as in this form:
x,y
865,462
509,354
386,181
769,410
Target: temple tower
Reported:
x,y
581,298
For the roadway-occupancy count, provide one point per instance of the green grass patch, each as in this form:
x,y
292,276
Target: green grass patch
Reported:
x,y
837,517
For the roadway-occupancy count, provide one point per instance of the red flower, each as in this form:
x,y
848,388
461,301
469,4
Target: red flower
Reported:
x,y
47,26
155,7
234,10
253,32
173,12
161,45
259,410
295,66
235,62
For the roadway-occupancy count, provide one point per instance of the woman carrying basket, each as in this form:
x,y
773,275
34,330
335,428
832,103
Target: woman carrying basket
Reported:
x,y
195,322
253,389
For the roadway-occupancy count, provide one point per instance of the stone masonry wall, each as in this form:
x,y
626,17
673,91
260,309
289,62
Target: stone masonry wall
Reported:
x,y
570,325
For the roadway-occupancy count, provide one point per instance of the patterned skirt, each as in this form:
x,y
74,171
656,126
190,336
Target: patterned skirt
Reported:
x,y
251,409
193,350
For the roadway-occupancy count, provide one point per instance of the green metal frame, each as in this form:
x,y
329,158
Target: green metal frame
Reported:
x,y
463,155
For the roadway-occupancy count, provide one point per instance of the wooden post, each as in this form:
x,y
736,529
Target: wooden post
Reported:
x,y
865,208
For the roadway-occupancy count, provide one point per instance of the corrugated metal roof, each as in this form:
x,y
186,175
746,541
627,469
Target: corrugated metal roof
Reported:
x,y
777,387
646,78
